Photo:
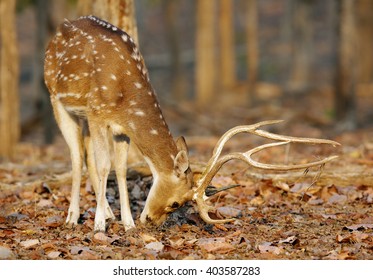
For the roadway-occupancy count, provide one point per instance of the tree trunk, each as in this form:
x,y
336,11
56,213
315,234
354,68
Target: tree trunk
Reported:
x,y
40,90
9,72
227,46
364,22
252,47
346,68
179,81
205,52
118,12
302,45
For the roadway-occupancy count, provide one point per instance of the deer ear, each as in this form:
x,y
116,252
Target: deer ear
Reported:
x,y
181,163
181,144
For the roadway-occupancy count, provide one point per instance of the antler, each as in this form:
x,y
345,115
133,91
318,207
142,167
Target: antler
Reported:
x,y
216,162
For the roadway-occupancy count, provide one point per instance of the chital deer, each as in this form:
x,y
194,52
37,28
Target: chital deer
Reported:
x,y
98,82
100,89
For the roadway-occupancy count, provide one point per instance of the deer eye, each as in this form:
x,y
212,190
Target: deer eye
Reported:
x,y
175,205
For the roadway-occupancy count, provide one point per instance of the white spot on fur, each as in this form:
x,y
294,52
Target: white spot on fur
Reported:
x,y
154,131
132,125
124,37
113,77
138,85
140,113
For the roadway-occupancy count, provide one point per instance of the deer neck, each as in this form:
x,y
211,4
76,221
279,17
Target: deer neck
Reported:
x,y
150,132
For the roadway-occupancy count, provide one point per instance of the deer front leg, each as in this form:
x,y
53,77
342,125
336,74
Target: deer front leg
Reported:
x,y
121,146
91,166
72,133
102,162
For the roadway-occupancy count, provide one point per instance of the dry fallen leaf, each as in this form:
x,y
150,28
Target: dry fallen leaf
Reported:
x,y
176,242
29,243
6,253
101,238
291,240
221,227
75,250
155,246
45,203
354,237
54,254
228,212
54,221
338,199
267,247
147,238
216,245
359,227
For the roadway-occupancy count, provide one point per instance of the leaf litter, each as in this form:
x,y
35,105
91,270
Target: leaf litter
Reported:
x,y
278,216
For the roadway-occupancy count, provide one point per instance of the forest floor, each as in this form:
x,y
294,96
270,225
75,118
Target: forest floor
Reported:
x,y
278,215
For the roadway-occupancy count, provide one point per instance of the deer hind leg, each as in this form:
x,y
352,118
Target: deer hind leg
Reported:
x,y
121,147
71,131
99,134
91,166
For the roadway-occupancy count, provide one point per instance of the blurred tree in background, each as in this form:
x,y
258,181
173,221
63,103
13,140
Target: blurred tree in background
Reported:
x,y
205,73
9,70
346,66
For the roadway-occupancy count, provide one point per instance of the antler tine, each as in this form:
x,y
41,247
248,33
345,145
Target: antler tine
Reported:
x,y
228,135
215,163
233,131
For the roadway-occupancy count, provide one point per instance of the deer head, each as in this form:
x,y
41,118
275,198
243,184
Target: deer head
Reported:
x,y
169,191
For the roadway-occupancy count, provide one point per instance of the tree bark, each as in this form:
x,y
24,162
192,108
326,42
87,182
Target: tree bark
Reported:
x,y
252,47
9,72
364,21
227,46
178,79
346,68
302,45
40,90
205,52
